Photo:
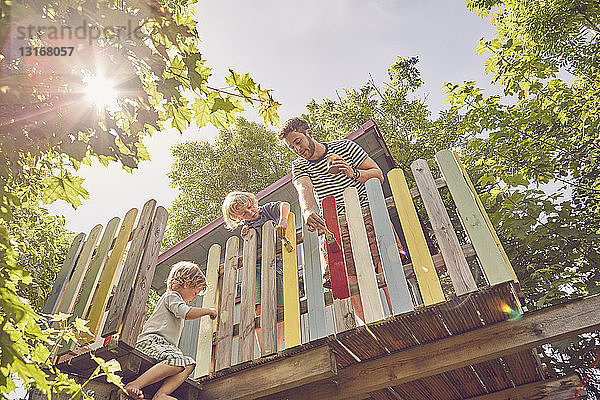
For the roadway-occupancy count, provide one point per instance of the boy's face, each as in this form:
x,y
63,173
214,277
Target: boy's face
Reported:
x,y
189,293
248,213
302,145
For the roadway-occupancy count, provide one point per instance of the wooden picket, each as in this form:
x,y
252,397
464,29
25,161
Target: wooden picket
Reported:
x,y
427,277
97,315
226,308
485,216
291,301
204,350
62,279
127,278
365,270
70,294
455,261
488,253
313,282
342,303
246,327
388,250
268,291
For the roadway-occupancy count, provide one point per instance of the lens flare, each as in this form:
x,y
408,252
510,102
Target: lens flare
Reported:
x,y
513,315
100,91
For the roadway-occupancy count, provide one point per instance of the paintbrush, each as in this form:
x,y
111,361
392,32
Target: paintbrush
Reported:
x,y
286,243
330,239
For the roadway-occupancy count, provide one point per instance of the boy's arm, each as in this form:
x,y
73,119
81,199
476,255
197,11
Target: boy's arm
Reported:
x,y
284,212
197,312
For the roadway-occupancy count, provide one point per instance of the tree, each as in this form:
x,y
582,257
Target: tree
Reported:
x,y
49,124
535,151
404,119
245,157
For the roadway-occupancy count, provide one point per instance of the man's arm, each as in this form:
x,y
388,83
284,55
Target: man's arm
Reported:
x,y
306,198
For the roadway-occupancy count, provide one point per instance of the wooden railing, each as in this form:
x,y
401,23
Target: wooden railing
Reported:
x,y
241,333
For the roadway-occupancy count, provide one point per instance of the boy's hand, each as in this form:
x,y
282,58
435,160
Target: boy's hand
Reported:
x,y
281,228
212,313
245,230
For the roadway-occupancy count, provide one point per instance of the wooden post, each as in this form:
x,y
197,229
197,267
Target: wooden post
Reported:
x,y
365,270
133,318
291,296
268,291
456,263
207,325
425,272
246,327
388,250
126,280
62,279
96,315
225,318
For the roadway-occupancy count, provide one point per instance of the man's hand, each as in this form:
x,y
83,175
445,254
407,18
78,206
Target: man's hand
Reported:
x,y
314,221
343,166
245,230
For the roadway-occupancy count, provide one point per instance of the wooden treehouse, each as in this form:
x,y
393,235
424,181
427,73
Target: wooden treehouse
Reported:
x,y
443,321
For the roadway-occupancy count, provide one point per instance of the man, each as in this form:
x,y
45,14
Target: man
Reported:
x,y
310,176
310,170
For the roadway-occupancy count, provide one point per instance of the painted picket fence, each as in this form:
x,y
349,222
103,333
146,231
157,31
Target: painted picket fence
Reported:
x,y
241,333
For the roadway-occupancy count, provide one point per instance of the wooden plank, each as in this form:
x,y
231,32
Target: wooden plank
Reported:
x,y
93,275
425,272
204,349
456,264
313,283
365,271
126,280
268,291
133,318
490,342
226,311
343,315
488,253
388,250
335,258
563,388
70,295
265,379
291,296
246,333
485,216
96,315
62,278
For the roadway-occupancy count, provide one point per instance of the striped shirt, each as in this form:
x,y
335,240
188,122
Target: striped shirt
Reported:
x,y
326,184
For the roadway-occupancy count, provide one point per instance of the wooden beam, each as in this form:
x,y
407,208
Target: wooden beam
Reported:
x,y
271,377
533,329
564,388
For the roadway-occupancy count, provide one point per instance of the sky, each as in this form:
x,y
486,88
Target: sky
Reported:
x,y
303,50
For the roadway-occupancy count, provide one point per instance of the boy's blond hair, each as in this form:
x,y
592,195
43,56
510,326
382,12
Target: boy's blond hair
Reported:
x,y
233,203
185,273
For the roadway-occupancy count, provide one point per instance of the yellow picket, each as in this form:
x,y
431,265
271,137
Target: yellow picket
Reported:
x,y
291,300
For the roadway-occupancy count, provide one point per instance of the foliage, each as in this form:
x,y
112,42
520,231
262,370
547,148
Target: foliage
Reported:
x,y
535,151
49,125
246,157
404,120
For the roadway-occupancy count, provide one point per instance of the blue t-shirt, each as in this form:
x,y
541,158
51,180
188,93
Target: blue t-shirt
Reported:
x,y
266,212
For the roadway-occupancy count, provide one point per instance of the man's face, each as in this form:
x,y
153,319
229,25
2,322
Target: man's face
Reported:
x,y
302,145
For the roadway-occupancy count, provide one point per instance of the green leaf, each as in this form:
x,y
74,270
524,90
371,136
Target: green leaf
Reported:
x,y
65,187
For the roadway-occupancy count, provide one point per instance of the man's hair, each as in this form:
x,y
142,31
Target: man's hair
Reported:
x,y
293,125
233,203
186,273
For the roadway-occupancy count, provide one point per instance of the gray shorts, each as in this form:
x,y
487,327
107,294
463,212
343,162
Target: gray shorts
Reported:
x,y
161,350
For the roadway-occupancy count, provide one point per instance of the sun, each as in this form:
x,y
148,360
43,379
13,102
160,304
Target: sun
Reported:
x,y
100,91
